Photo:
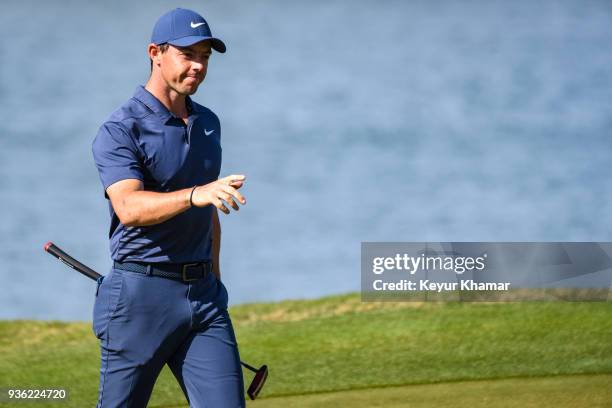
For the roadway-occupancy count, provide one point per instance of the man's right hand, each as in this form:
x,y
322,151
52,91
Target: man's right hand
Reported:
x,y
217,193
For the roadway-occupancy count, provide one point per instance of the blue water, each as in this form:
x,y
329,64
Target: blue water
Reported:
x,y
353,120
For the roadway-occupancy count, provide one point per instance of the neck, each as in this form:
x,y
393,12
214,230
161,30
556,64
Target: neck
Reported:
x,y
172,100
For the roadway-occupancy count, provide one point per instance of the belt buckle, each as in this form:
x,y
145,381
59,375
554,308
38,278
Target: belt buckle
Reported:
x,y
184,274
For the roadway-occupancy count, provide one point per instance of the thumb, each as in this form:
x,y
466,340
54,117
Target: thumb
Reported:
x,y
234,178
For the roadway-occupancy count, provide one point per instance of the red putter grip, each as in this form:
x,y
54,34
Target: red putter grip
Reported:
x,y
54,250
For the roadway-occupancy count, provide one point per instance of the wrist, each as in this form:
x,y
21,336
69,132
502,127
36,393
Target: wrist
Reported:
x,y
190,196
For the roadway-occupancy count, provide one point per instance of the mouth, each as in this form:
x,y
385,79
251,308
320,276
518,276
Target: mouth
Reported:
x,y
193,79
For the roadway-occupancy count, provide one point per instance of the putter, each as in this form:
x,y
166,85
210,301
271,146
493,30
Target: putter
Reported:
x,y
261,374
258,381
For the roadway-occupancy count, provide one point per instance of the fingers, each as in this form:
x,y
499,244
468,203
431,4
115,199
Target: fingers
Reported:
x,y
221,198
228,199
227,194
235,180
233,192
221,193
237,184
219,204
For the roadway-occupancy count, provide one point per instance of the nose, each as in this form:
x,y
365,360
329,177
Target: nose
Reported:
x,y
199,65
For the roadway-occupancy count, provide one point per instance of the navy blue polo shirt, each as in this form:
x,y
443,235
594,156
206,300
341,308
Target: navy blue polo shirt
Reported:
x,y
143,140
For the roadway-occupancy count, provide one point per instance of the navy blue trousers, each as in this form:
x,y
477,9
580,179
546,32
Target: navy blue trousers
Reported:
x,y
144,322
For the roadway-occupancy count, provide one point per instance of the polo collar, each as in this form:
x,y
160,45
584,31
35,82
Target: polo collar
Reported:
x,y
155,105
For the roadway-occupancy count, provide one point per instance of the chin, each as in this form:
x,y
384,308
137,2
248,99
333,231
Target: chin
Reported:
x,y
191,89
186,90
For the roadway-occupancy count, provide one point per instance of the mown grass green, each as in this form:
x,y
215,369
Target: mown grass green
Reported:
x,y
349,350
591,391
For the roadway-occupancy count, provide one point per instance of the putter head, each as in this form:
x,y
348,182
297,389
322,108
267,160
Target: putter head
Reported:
x,y
258,382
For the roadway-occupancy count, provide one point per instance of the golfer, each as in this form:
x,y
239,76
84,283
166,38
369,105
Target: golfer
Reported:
x,y
163,302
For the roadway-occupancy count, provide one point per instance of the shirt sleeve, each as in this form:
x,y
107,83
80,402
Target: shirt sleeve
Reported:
x,y
116,155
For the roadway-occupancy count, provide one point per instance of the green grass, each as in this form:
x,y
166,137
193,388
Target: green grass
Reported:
x,y
338,351
592,391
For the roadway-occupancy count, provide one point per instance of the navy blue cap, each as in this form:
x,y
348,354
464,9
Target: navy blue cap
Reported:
x,y
182,27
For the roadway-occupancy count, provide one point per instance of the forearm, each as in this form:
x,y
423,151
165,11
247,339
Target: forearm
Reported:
x,y
136,207
216,243
143,208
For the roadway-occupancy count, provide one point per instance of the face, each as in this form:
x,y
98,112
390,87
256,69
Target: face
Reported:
x,y
183,68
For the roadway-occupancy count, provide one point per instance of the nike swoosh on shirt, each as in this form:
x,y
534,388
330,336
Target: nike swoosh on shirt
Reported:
x,y
208,132
196,25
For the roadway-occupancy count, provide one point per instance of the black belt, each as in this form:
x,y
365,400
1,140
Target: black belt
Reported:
x,y
184,272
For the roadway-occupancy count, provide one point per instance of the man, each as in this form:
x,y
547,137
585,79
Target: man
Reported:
x,y
163,302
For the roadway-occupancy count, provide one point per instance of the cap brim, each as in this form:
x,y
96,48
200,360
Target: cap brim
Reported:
x,y
216,43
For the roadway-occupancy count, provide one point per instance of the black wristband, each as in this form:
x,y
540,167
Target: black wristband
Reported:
x,y
191,196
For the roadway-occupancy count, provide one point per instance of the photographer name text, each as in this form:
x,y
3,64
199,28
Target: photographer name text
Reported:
x,y
428,285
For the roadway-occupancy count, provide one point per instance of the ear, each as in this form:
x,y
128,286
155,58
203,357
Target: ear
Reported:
x,y
154,53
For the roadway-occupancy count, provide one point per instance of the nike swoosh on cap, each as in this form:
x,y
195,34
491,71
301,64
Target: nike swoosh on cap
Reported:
x,y
208,132
196,25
